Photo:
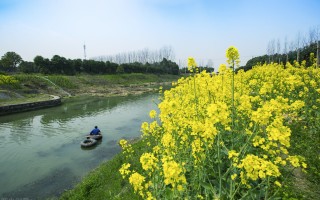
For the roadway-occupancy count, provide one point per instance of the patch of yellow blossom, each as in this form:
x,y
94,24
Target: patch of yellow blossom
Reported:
x,y
137,180
124,170
255,167
153,114
232,55
195,137
7,80
174,175
192,65
126,147
148,161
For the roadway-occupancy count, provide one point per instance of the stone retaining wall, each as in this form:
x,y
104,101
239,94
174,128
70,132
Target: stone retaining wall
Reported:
x,y
4,110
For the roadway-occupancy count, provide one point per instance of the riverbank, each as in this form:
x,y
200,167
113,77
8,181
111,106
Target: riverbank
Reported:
x,y
34,88
105,182
27,106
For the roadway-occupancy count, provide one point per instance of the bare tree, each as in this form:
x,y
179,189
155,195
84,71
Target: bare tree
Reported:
x,y
298,44
141,56
304,40
292,46
210,63
312,35
278,50
271,49
285,48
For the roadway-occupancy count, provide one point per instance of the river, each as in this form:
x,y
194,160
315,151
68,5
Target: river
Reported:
x,y
40,153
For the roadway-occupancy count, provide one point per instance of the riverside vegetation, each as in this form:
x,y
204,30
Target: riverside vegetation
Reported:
x,y
21,88
250,135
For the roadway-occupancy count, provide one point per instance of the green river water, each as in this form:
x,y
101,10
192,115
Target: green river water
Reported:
x,y
40,153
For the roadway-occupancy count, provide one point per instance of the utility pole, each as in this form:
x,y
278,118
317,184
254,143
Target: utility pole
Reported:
x,y
84,51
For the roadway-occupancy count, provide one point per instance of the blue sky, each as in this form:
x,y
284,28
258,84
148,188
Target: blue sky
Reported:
x,y
200,28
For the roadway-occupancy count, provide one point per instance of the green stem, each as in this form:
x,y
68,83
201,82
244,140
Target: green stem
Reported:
x,y
219,170
248,192
243,150
231,189
233,108
268,185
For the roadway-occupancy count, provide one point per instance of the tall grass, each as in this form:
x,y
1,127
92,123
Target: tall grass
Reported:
x,y
62,81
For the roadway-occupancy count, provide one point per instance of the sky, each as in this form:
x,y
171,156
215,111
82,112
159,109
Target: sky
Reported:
x,y
202,29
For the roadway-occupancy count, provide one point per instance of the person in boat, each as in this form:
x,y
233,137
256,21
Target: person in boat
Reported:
x,y
95,131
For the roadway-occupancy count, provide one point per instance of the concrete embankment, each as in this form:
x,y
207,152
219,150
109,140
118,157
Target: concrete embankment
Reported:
x,y
15,108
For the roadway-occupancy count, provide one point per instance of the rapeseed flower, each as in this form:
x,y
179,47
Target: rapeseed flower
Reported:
x,y
124,170
205,140
192,64
153,114
148,161
173,174
137,180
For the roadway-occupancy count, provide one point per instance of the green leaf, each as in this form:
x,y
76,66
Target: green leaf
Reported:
x,y
206,185
169,193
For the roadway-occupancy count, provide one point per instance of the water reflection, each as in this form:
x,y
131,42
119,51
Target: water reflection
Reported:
x,y
86,107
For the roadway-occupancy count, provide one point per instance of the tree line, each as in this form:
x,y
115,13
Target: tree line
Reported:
x,y
12,62
141,56
303,47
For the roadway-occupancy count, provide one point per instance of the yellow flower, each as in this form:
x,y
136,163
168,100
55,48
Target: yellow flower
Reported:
x,y
167,140
127,148
199,196
180,188
123,143
255,167
191,64
277,183
153,114
149,196
232,153
145,128
232,55
222,68
173,174
294,160
156,149
148,161
124,170
136,180
304,165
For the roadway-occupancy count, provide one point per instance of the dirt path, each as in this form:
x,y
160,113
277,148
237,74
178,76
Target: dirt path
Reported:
x,y
118,90
301,183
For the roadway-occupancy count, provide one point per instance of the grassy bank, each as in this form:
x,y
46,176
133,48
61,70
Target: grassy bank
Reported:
x,y
105,182
33,87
